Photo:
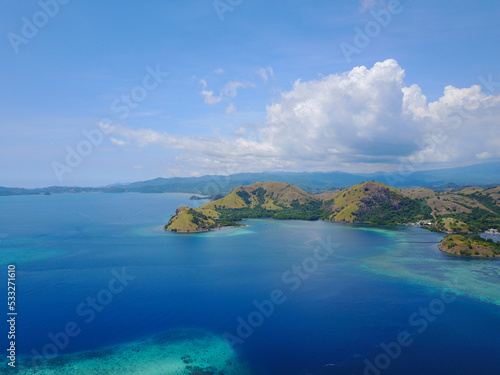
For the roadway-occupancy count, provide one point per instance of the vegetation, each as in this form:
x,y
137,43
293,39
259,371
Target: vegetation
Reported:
x,y
470,246
461,210
377,204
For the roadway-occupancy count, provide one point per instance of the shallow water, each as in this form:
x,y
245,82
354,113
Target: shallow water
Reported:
x,y
357,287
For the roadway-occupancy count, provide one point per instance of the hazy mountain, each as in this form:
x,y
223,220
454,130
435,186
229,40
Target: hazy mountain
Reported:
x,y
487,174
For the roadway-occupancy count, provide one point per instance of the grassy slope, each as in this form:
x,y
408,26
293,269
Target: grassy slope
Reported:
x,y
374,202
184,220
346,202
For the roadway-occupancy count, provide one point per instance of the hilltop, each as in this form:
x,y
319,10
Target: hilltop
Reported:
x,y
376,203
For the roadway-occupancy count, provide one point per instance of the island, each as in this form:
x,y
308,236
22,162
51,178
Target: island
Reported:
x,y
458,211
470,246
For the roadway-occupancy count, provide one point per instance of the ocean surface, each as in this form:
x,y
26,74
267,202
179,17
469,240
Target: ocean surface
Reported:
x,y
101,288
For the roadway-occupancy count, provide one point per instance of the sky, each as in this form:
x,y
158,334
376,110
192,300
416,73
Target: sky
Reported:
x,y
99,92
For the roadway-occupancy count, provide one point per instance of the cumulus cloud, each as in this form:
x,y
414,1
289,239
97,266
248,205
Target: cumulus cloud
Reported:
x,y
462,126
349,117
364,119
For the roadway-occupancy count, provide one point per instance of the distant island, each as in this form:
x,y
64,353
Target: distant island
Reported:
x,y
457,211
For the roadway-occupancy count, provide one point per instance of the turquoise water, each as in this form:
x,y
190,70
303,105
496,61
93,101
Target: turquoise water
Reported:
x,y
101,288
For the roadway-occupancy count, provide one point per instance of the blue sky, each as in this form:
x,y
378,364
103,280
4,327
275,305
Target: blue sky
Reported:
x,y
193,87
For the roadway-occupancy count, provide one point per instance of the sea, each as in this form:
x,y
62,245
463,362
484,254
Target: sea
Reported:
x,y
102,288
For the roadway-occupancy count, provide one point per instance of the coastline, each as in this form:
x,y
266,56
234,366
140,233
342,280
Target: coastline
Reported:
x,y
205,230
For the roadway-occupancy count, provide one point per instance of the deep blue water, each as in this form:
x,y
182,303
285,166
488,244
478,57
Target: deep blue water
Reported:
x,y
332,321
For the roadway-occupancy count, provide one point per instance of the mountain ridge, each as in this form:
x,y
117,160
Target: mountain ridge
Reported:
x,y
486,174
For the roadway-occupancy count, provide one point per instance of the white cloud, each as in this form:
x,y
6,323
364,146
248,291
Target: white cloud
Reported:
x,y
231,108
265,73
210,98
219,71
364,119
249,131
349,117
118,142
230,89
218,147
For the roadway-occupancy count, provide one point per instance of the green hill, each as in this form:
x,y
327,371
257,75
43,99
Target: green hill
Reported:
x,y
376,203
